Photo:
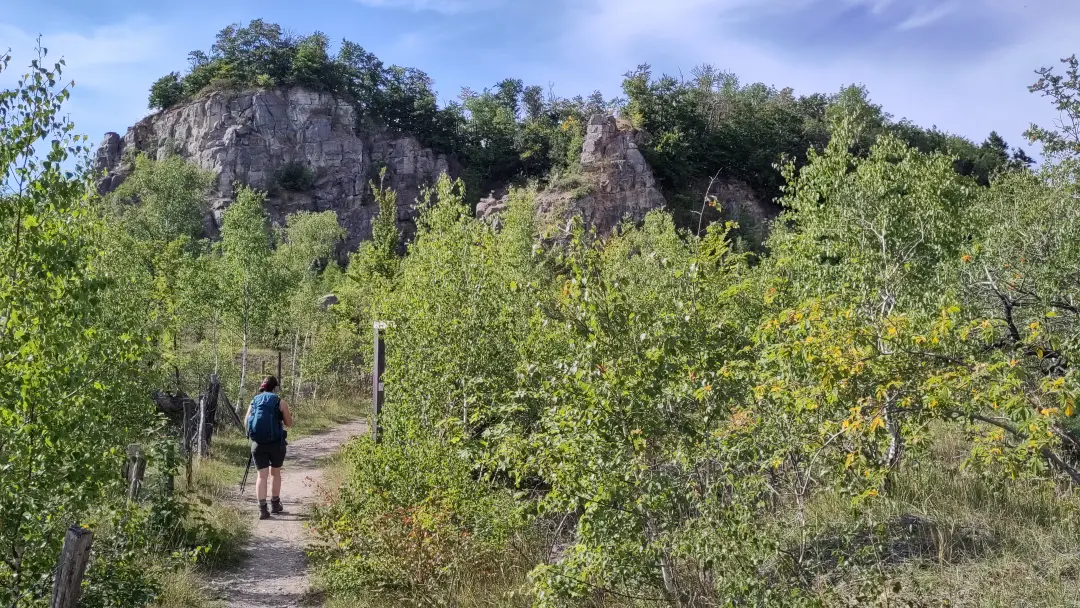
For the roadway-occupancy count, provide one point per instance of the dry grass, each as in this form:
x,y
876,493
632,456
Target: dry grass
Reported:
x,y
955,536
184,589
325,414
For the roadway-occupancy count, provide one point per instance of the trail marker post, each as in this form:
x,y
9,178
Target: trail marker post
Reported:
x,y
379,361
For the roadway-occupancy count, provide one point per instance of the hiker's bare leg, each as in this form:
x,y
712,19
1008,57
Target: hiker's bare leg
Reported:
x,y
275,479
260,485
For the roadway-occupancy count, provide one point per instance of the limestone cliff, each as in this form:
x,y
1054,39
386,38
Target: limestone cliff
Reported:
x,y
615,182
258,137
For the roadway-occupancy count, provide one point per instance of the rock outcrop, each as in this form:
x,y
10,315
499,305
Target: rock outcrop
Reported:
x,y
257,138
615,182
489,208
740,204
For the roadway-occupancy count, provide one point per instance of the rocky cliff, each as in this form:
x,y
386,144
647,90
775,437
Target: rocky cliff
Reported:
x,y
314,151
615,182
308,150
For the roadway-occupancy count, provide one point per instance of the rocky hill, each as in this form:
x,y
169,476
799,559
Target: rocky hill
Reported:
x,y
315,151
614,182
308,150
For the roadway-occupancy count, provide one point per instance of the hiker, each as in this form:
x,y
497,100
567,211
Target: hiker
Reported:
x,y
267,419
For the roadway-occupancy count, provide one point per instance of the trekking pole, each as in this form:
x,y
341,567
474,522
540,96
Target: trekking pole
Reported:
x,y
247,470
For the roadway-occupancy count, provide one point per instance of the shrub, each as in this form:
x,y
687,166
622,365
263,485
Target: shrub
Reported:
x,y
166,92
411,524
296,177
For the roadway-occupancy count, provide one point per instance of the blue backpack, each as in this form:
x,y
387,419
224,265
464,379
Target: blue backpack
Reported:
x,y
265,425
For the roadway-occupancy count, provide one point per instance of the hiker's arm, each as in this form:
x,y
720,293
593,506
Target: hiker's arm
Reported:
x,y
247,417
287,415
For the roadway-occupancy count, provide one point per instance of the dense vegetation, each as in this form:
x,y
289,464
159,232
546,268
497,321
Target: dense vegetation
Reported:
x,y
879,410
105,302
710,124
879,407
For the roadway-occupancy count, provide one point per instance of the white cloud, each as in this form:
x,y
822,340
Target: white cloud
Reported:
x,y
446,7
99,58
967,93
923,17
112,67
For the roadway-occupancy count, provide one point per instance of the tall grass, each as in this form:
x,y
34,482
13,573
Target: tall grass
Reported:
x,y
952,535
947,534
184,589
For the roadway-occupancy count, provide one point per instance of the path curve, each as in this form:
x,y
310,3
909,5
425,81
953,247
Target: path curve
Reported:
x,y
274,571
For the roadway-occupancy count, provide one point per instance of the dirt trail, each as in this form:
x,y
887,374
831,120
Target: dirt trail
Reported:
x,y
274,571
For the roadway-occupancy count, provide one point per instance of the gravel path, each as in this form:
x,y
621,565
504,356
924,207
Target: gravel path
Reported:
x,y
274,572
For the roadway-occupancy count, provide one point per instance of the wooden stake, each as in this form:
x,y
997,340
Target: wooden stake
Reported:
x,y
232,412
67,586
186,445
213,392
200,436
136,468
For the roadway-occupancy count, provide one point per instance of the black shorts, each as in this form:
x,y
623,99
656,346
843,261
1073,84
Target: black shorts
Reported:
x,y
268,454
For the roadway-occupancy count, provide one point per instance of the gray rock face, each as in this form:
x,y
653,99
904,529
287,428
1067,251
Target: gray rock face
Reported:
x,y
625,185
740,204
488,209
615,183
249,138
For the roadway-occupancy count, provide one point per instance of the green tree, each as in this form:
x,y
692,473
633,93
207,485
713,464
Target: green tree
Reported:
x,y
252,282
73,384
1064,91
162,201
307,257
166,92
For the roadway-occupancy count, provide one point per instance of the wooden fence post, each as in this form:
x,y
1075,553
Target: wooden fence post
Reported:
x,y
186,444
376,382
67,585
200,434
232,412
210,419
136,468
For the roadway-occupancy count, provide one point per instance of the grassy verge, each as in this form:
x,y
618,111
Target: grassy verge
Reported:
x,y
407,524
213,482
184,589
947,534
953,535
324,415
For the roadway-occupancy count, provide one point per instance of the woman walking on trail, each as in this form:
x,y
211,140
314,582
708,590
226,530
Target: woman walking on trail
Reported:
x,y
267,419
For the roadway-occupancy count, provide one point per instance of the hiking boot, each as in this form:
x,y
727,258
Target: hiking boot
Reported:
x,y
264,513
275,507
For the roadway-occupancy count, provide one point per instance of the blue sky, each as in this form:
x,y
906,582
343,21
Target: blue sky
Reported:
x,y
963,65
